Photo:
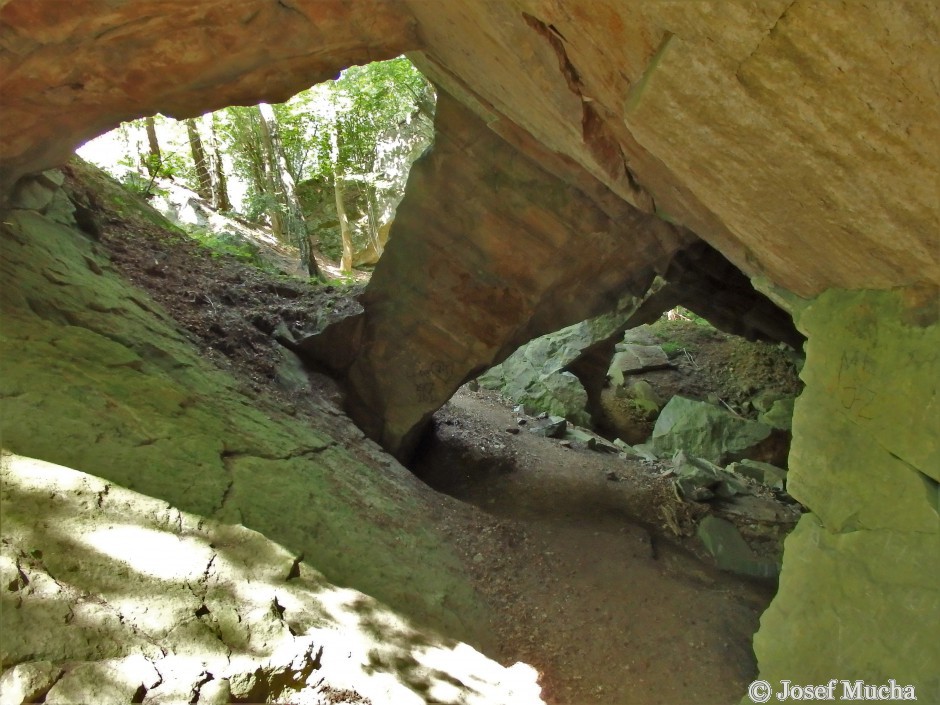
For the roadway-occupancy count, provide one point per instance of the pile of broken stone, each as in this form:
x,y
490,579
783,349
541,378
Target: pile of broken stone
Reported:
x,y
715,459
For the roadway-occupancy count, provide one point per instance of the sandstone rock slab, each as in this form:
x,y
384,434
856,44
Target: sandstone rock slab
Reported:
x,y
190,610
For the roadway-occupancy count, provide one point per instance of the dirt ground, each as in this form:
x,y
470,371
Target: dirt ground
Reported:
x,y
570,547
587,584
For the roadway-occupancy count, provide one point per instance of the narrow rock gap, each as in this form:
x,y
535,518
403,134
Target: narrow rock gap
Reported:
x,y
593,536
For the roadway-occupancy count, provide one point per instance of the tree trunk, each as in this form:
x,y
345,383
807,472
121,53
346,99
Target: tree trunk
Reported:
x,y
220,198
204,187
286,210
345,234
372,202
154,157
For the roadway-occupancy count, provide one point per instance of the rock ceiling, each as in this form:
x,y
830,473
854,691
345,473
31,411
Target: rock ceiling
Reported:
x,y
581,144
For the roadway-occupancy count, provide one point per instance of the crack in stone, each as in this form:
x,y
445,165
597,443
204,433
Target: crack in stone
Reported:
x,y
290,8
932,485
203,582
205,677
768,35
102,495
226,494
294,571
21,581
595,132
40,696
568,70
228,455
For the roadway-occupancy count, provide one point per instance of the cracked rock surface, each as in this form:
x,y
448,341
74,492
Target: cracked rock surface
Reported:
x,y
97,377
135,583
115,597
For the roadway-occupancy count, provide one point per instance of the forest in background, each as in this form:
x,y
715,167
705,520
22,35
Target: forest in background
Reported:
x,y
324,170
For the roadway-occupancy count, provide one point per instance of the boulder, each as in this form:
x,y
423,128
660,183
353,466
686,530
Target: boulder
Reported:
x,y
698,480
535,376
560,394
764,473
731,552
552,427
631,359
705,431
629,412
439,311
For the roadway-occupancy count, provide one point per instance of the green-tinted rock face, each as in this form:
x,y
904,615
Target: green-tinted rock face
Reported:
x,y
723,541
860,589
534,375
765,473
779,415
705,431
96,377
868,426
631,359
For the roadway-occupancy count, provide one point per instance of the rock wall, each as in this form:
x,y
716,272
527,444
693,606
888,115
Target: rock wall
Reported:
x,y
859,594
490,251
97,377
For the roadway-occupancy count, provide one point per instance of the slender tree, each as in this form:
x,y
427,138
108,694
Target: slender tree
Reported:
x,y
340,196
154,157
219,182
203,177
286,212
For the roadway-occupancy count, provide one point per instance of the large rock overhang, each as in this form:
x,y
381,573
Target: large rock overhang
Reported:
x,y
799,139
489,251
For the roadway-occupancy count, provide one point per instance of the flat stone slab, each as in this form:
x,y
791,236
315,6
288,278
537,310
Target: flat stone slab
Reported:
x,y
723,541
636,358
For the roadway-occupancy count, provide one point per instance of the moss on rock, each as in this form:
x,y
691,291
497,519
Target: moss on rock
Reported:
x,y
96,376
859,595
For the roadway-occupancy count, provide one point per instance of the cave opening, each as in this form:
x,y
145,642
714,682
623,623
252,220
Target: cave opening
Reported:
x,y
634,466
304,187
598,526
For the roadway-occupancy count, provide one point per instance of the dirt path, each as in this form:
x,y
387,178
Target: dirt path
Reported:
x,y
584,586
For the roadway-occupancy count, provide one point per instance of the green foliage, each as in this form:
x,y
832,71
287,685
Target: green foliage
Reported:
x,y
138,184
344,281
226,244
377,97
672,349
144,168
692,316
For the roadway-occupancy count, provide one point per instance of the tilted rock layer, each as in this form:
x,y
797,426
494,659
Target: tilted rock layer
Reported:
x,y
581,145
171,539
128,599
